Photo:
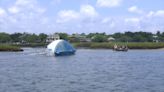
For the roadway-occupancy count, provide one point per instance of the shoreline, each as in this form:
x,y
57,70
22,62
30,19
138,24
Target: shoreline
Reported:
x,y
130,45
10,48
87,45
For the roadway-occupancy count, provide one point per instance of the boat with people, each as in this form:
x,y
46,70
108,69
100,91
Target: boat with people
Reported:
x,y
120,48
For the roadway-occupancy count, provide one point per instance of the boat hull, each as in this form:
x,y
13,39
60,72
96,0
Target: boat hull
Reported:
x,y
120,49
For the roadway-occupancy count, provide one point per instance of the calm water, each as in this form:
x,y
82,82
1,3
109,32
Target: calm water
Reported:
x,y
34,70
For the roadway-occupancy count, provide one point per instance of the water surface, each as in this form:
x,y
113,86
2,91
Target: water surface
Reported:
x,y
35,70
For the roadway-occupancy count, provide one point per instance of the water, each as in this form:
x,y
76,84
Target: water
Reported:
x,y
34,70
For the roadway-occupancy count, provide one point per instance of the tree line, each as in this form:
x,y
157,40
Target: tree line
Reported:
x,y
94,37
22,37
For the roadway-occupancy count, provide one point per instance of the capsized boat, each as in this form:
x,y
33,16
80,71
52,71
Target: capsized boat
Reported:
x,y
61,47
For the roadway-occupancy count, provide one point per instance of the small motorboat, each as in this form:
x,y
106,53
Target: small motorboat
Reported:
x,y
120,48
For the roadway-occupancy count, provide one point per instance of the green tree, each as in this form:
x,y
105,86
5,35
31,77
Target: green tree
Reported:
x,y
42,37
158,33
99,38
32,38
90,35
63,36
15,37
117,35
4,37
125,39
144,36
83,34
139,38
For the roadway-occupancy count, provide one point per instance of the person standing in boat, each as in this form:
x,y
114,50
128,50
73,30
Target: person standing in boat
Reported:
x,y
115,46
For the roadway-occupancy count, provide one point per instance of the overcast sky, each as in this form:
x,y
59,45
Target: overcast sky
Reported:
x,y
78,16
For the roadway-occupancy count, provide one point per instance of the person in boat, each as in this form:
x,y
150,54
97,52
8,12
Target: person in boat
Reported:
x,y
120,48
124,48
115,46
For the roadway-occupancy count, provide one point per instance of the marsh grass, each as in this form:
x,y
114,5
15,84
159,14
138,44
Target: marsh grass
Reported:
x,y
109,45
6,47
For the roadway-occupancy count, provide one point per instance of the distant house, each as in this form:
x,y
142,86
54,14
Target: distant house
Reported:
x,y
155,39
52,37
83,39
79,38
111,39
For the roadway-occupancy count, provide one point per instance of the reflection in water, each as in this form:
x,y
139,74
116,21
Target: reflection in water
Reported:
x,y
34,70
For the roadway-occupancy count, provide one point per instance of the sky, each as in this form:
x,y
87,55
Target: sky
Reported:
x,y
81,16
